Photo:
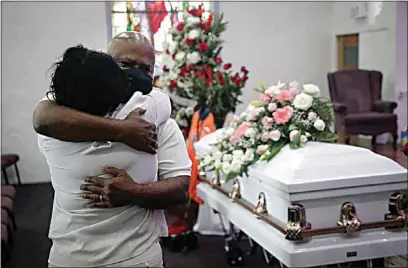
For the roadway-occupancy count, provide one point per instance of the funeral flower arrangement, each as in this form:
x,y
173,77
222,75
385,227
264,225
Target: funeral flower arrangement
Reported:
x,y
285,114
193,69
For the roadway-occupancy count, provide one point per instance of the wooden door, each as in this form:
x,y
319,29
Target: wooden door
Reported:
x,y
347,52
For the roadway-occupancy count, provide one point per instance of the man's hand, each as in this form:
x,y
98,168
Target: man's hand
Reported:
x,y
107,193
139,133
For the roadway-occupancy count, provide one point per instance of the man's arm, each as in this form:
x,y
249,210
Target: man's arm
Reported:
x,y
172,189
66,124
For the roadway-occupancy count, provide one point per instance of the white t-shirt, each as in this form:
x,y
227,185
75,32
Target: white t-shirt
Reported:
x,y
90,237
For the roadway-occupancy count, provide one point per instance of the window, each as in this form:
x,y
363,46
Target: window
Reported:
x,y
347,52
151,18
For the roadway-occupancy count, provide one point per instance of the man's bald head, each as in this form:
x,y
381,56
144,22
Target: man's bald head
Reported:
x,y
132,49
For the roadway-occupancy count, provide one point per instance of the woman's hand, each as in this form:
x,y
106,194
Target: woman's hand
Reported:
x,y
108,193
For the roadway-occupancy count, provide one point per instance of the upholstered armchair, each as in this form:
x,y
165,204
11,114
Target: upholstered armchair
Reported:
x,y
356,97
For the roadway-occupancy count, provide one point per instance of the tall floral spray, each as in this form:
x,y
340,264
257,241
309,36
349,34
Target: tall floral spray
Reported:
x,y
194,70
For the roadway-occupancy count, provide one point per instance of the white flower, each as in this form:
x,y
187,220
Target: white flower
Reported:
x,y
165,45
183,122
280,85
303,139
226,168
265,137
319,125
261,149
272,90
250,108
227,158
229,132
307,134
193,34
173,47
192,20
207,160
272,107
237,154
312,116
249,155
243,114
311,90
236,166
217,164
180,56
217,155
250,133
293,134
193,58
275,135
303,101
189,111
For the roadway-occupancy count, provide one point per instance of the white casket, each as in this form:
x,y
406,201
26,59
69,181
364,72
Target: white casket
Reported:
x,y
344,192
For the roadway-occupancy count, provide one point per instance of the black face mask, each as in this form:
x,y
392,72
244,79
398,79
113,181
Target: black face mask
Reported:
x,y
139,81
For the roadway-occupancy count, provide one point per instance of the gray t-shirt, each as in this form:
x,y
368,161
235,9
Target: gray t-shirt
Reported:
x,y
91,237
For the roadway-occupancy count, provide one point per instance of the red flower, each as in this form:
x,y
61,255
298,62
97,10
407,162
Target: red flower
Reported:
x,y
190,67
244,70
196,12
165,69
180,26
182,80
196,74
189,42
173,84
221,78
174,56
245,78
405,149
218,60
183,70
202,46
227,66
167,51
206,26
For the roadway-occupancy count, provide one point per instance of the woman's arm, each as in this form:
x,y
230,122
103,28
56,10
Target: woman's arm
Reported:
x,y
66,124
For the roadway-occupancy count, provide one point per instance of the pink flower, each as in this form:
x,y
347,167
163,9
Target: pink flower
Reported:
x,y
261,149
235,118
285,95
283,115
272,107
294,88
241,130
265,136
267,121
265,98
233,139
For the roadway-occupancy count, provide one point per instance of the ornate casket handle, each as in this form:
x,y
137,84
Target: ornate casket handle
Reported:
x,y
236,191
261,205
215,181
297,223
348,218
396,209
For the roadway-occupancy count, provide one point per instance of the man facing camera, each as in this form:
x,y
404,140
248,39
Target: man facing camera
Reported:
x,y
134,54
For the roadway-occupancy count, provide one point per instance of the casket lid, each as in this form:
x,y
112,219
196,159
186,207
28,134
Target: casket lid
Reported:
x,y
321,166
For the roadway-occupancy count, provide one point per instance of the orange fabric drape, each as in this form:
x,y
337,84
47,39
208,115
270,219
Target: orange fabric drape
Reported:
x,y
198,129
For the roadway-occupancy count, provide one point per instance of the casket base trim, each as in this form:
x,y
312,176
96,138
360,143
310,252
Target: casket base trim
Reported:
x,y
322,250
348,224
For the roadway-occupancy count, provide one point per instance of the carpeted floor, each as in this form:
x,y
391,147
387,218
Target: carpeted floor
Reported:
x,y
33,211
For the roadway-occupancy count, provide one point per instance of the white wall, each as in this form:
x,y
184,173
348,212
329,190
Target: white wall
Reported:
x,y
376,41
34,35
278,41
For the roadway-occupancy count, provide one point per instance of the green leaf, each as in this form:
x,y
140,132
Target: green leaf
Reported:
x,y
274,149
257,103
326,136
292,127
262,87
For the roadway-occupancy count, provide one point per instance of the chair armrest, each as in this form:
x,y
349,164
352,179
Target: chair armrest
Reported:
x,y
384,106
339,108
